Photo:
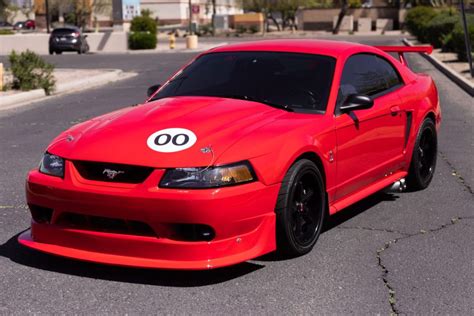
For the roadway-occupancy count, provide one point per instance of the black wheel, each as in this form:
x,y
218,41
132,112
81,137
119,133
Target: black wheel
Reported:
x,y
51,51
300,209
58,52
423,161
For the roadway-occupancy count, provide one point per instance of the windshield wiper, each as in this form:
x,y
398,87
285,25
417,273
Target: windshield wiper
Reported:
x,y
249,98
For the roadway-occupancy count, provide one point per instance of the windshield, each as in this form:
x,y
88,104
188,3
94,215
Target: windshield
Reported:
x,y
291,81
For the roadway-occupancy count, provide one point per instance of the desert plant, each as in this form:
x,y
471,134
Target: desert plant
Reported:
x,y
253,29
440,26
416,20
241,29
144,23
6,32
457,37
30,71
142,40
143,32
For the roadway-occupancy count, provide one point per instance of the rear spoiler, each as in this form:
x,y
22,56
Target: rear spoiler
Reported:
x,y
405,49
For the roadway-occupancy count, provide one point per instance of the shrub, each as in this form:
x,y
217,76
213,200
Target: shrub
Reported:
x,y
205,29
241,29
142,40
355,3
416,20
457,37
438,28
6,32
253,29
143,23
30,71
143,32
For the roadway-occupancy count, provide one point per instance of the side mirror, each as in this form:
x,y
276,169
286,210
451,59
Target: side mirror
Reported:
x,y
356,102
152,89
85,36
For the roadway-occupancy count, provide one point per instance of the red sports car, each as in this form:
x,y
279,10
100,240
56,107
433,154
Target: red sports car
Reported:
x,y
242,152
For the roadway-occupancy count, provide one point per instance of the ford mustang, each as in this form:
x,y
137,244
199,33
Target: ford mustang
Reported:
x,y
244,151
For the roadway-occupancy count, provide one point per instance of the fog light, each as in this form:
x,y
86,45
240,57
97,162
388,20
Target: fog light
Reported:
x,y
40,214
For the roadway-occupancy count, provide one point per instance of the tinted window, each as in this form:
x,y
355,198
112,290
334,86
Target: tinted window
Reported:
x,y
65,31
298,81
367,74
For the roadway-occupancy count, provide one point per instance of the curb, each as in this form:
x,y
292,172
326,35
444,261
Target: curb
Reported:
x,y
24,98
447,71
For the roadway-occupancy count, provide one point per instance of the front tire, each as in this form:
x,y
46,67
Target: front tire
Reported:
x,y
423,161
300,209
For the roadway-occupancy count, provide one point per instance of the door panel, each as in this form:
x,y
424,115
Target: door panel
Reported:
x,y
369,144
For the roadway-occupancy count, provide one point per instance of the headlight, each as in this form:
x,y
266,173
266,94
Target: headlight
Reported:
x,y
52,165
212,177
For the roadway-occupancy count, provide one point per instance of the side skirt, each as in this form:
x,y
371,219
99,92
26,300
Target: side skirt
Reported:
x,y
365,192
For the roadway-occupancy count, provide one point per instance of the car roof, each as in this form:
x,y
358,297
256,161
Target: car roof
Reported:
x,y
308,46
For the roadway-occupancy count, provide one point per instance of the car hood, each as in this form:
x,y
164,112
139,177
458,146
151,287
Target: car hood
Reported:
x,y
123,136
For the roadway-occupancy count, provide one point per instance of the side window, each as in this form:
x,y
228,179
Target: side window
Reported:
x,y
391,75
366,74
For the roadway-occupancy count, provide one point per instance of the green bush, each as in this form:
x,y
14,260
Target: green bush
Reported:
x,y
457,37
355,3
6,32
142,40
241,29
143,23
440,26
416,20
143,32
253,29
30,72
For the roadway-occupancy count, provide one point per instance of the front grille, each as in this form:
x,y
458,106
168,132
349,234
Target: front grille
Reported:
x,y
104,224
111,172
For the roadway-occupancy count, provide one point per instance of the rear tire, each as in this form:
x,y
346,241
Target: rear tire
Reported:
x,y
423,161
300,209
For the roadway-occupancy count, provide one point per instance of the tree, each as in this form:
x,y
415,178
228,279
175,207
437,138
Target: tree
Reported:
x,y
79,12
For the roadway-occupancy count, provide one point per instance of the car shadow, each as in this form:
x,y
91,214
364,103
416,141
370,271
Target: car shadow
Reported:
x,y
172,278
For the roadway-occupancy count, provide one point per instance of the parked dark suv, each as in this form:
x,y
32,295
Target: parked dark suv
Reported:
x,y
67,39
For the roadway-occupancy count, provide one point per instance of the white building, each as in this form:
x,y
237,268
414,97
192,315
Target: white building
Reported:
x,y
177,11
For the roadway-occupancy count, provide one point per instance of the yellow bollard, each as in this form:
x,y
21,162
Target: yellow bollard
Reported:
x,y
1,77
172,40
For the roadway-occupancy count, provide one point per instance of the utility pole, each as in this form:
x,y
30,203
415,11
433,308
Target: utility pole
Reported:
x,y
467,39
46,4
190,30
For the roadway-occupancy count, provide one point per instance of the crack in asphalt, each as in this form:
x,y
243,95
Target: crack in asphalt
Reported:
x,y
385,272
391,290
374,229
456,173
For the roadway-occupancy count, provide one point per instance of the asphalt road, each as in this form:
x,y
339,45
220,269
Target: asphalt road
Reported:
x,y
409,253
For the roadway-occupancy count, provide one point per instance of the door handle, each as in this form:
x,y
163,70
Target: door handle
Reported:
x,y
394,110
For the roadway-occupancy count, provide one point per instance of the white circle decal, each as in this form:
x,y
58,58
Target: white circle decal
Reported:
x,y
171,140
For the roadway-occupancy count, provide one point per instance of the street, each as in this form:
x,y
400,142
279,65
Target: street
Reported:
x,y
407,253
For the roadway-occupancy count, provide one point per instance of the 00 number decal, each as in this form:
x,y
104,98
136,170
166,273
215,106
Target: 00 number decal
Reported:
x,y
171,140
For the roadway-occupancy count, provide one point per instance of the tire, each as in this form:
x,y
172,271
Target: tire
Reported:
x,y
300,209
423,161
58,52
51,52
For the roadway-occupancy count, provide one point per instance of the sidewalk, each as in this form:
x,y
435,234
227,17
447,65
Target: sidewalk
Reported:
x,y
448,64
67,81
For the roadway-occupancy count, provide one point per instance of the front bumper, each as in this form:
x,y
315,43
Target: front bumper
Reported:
x,y
242,217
